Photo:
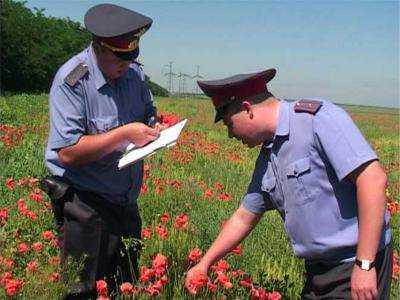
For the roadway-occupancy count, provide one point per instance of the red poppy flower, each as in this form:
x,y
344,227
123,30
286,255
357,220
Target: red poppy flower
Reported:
x,y
22,208
31,215
176,184
221,266
146,274
36,196
168,119
146,233
23,248
223,279
246,282
238,250
181,221
237,273
8,263
32,266
10,184
54,277
274,296
55,243
164,218
159,265
194,255
224,197
153,290
162,231
258,294
37,247
393,207
48,235
144,189
22,181
32,181
208,194
3,215
159,189
4,278
218,186
13,286
126,288
101,287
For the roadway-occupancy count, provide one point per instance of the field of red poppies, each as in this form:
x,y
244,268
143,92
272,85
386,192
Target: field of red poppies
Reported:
x,y
189,191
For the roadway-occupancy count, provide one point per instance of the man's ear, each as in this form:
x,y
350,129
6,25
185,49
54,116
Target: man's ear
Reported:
x,y
246,105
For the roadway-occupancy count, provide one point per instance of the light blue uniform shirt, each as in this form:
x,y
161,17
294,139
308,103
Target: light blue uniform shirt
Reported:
x,y
90,107
302,173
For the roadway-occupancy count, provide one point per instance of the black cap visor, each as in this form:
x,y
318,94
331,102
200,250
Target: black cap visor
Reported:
x,y
127,56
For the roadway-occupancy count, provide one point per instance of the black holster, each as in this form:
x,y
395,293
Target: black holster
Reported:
x,y
59,192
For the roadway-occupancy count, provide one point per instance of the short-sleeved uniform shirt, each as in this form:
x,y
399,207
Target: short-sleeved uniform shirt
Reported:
x,y
302,173
90,107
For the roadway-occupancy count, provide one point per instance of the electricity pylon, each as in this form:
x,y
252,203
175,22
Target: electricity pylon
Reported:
x,y
170,75
196,77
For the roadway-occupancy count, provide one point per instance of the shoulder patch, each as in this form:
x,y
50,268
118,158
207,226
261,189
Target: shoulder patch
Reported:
x,y
308,106
77,73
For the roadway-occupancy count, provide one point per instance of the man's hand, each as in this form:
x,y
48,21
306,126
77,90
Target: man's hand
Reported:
x,y
160,126
234,231
196,278
363,284
139,133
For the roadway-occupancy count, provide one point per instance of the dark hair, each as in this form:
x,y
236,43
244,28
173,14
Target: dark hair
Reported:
x,y
236,106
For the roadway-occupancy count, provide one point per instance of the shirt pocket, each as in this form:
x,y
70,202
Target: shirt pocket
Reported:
x,y
269,186
102,124
298,176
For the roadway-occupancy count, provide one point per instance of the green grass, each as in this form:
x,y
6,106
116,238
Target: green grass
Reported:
x,y
267,255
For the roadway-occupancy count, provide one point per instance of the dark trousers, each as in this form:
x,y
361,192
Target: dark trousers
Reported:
x,y
92,233
324,281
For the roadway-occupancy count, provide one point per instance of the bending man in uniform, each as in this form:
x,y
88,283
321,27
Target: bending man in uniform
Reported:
x,y
317,170
99,103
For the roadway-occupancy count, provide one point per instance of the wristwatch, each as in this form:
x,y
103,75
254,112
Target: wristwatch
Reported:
x,y
365,264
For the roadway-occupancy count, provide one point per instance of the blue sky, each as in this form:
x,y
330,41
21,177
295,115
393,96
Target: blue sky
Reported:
x,y
345,51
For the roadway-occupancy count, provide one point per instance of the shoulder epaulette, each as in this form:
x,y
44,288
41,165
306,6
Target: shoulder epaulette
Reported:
x,y
77,73
308,106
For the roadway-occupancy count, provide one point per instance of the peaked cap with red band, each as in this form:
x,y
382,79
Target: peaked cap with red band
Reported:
x,y
117,28
235,88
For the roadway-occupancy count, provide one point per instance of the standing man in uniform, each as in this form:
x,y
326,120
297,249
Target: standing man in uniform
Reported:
x,y
99,103
317,170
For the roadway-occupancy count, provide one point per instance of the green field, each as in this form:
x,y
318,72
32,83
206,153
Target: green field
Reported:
x,y
203,161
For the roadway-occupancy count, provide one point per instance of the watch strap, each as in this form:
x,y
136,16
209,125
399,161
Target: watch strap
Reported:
x,y
362,265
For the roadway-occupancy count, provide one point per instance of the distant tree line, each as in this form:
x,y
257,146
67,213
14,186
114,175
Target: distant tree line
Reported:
x,y
33,47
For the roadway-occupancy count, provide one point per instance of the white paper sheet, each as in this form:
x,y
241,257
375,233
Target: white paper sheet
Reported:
x,y
167,138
